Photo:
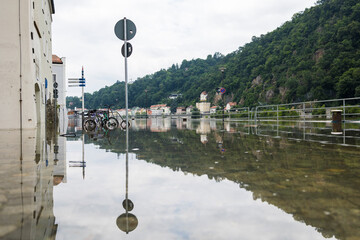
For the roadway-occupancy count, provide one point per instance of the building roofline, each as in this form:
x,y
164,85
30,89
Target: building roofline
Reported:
x,y
56,59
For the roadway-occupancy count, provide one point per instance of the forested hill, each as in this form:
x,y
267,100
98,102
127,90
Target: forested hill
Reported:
x,y
315,55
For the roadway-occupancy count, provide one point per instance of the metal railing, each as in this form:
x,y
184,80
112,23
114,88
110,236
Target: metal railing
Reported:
x,y
300,111
312,110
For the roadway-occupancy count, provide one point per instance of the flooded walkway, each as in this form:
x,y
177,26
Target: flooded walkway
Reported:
x,y
184,180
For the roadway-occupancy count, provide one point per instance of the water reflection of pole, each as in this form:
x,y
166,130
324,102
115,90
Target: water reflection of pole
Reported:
x,y
21,183
127,222
277,120
83,158
127,179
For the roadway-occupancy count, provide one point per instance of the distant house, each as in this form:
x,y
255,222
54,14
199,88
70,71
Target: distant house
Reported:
x,y
167,110
122,112
138,111
180,110
230,105
213,109
204,107
189,110
160,109
175,95
203,96
141,111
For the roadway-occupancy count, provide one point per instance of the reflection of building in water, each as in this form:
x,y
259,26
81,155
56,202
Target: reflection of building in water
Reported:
x,y
203,138
228,127
189,123
219,140
159,124
204,127
60,161
153,124
213,124
181,122
139,124
26,190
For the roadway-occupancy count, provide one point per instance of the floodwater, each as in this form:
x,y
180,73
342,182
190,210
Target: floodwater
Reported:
x,y
183,179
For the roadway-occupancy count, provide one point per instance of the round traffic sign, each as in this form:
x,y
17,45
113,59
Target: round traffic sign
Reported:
x,y
130,29
222,90
129,206
129,49
127,222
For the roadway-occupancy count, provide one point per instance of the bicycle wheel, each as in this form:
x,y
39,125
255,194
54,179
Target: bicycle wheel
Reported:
x,y
89,125
112,123
123,124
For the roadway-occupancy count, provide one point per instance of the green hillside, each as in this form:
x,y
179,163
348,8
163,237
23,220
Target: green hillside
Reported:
x,y
315,55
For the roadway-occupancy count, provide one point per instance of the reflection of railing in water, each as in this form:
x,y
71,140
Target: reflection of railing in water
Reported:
x,y
81,163
348,137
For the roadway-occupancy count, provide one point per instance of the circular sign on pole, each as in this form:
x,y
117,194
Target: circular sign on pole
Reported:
x,y
129,49
130,205
130,29
222,90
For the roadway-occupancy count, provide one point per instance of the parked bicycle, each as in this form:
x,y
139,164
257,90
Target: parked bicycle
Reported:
x,y
105,119
91,120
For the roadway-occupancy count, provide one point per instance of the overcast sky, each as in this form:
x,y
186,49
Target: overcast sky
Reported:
x,y
168,31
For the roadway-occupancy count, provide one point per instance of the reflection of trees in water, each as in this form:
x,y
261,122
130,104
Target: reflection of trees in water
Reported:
x,y
317,184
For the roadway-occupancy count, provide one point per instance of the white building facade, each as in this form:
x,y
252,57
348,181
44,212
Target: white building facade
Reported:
x,y
25,63
59,76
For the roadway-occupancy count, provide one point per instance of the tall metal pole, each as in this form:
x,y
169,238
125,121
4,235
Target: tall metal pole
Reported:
x,y
127,124
83,100
126,77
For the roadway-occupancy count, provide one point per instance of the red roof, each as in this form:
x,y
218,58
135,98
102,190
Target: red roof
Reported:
x,y
158,106
56,59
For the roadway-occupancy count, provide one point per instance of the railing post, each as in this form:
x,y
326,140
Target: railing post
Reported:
x,y
304,112
344,107
255,116
248,109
